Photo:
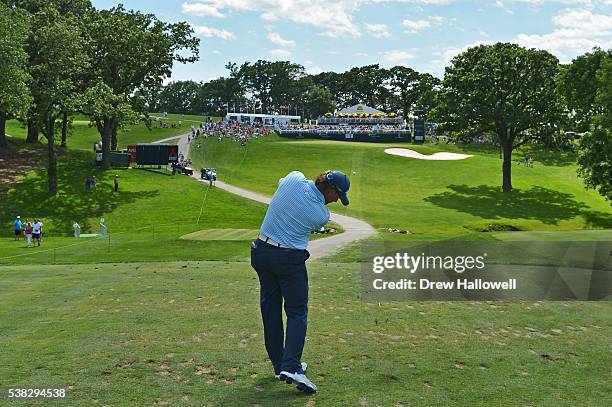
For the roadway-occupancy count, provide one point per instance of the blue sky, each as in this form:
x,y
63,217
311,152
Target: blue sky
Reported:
x,y
340,34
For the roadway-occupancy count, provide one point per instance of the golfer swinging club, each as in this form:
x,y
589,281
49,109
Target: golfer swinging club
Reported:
x,y
278,256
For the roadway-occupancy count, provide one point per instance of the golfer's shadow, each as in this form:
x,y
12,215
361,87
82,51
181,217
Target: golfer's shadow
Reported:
x,y
265,392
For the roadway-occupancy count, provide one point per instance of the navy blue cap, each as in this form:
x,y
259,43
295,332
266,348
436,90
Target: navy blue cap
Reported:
x,y
341,182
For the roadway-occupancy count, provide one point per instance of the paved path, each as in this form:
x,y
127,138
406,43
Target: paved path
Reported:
x,y
354,229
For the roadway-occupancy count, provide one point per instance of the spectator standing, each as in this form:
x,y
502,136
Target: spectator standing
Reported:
x,y
94,182
87,184
17,225
36,231
116,183
77,229
28,232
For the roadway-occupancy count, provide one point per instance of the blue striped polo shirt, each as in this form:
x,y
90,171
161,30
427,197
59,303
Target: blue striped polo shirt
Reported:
x,y
296,209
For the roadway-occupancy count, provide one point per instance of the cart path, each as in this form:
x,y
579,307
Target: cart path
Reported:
x,y
354,229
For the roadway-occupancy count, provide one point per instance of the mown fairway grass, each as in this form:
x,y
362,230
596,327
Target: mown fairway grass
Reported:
x,y
189,334
435,199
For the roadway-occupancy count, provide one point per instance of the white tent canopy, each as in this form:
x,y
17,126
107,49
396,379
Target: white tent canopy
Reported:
x,y
265,119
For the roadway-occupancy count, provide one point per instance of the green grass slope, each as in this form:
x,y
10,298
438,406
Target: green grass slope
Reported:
x,y
436,199
145,218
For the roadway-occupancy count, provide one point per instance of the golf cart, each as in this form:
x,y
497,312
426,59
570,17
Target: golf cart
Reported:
x,y
208,174
182,168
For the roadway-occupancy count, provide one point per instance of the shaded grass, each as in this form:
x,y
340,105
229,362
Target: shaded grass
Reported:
x,y
189,333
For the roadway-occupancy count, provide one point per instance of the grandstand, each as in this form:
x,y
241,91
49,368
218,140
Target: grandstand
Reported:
x,y
355,123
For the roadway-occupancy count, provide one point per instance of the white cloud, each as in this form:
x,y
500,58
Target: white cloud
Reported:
x,y
377,30
361,54
416,25
397,56
335,19
576,31
213,32
279,53
200,10
426,2
278,40
216,52
313,70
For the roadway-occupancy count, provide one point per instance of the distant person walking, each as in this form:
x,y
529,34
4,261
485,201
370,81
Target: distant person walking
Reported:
x,y
279,257
116,183
17,224
36,231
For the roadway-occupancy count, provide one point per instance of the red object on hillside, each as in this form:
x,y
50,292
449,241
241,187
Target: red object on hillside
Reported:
x,y
132,152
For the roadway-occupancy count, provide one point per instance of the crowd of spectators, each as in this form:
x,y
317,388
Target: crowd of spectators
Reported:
x,y
32,230
236,131
336,128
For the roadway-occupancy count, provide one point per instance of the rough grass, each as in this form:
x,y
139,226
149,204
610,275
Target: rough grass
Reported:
x,y
189,334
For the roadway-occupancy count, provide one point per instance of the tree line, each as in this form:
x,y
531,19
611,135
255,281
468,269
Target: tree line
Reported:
x,y
284,87
66,56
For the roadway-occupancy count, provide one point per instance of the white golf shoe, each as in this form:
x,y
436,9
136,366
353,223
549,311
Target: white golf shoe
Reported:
x,y
304,367
300,380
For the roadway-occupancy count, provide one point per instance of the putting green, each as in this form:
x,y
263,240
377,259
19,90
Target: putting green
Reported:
x,y
222,234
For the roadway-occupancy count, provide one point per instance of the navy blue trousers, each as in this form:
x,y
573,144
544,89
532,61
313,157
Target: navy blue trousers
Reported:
x,y
282,276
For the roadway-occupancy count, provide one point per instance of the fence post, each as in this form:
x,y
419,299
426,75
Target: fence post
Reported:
x,y
53,256
109,243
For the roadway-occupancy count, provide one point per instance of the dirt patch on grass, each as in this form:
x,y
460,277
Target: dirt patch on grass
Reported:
x,y
17,160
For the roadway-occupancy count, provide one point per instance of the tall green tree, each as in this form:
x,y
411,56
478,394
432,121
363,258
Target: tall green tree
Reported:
x,y
220,94
273,85
427,91
405,83
131,50
56,71
578,84
180,97
595,151
364,85
332,81
503,89
318,101
14,92
75,8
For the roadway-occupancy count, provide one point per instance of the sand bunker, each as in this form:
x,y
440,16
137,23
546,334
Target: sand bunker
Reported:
x,y
405,152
